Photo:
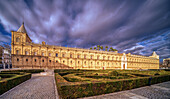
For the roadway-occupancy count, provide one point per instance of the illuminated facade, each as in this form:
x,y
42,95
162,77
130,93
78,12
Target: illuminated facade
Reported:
x,y
26,54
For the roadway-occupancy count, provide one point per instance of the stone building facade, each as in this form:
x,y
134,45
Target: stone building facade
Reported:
x,y
26,54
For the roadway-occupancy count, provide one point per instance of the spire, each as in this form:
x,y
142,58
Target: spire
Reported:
x,y
154,54
22,29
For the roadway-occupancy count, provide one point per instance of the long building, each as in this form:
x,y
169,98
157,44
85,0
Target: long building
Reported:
x,y
26,54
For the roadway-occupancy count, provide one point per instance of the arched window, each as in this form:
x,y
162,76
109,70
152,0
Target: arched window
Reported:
x,y
42,53
17,39
35,60
18,59
27,60
42,60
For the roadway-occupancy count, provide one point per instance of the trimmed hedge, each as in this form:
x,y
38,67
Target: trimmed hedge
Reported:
x,y
82,89
7,75
25,70
9,83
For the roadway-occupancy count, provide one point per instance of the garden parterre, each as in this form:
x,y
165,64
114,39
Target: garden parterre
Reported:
x,y
83,83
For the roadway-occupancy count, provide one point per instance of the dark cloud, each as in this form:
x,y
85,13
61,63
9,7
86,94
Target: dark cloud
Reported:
x,y
135,26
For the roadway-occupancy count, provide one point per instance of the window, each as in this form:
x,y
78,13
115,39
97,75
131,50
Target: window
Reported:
x,y
97,63
17,51
17,39
26,52
108,57
112,58
50,61
91,62
56,61
98,57
78,62
27,60
35,60
63,55
85,62
35,53
56,54
84,56
78,56
103,57
71,62
18,59
42,60
42,53
91,57
63,61
71,55
49,54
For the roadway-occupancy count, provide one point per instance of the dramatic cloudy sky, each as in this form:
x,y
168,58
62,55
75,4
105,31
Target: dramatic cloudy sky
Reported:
x,y
135,26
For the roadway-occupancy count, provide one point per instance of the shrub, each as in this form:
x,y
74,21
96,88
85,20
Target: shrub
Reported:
x,y
113,73
26,70
156,74
7,75
9,83
84,89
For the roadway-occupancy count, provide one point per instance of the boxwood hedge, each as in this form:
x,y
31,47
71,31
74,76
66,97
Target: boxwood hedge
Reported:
x,y
25,70
11,82
85,89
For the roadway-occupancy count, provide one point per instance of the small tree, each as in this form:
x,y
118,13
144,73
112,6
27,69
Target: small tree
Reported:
x,y
95,48
106,48
91,48
98,47
101,47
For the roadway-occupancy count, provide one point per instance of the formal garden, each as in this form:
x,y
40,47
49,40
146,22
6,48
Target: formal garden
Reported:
x,y
84,83
12,78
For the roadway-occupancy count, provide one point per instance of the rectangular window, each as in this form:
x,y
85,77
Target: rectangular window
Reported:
x,y
78,56
26,52
49,54
35,53
84,56
97,57
17,51
71,56
42,53
63,55
56,54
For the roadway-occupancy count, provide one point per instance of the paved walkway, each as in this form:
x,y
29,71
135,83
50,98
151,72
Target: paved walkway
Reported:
x,y
40,86
157,91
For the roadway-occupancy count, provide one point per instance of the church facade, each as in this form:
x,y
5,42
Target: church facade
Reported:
x,y
26,54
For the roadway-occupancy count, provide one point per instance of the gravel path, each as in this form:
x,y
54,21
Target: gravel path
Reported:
x,y
38,87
